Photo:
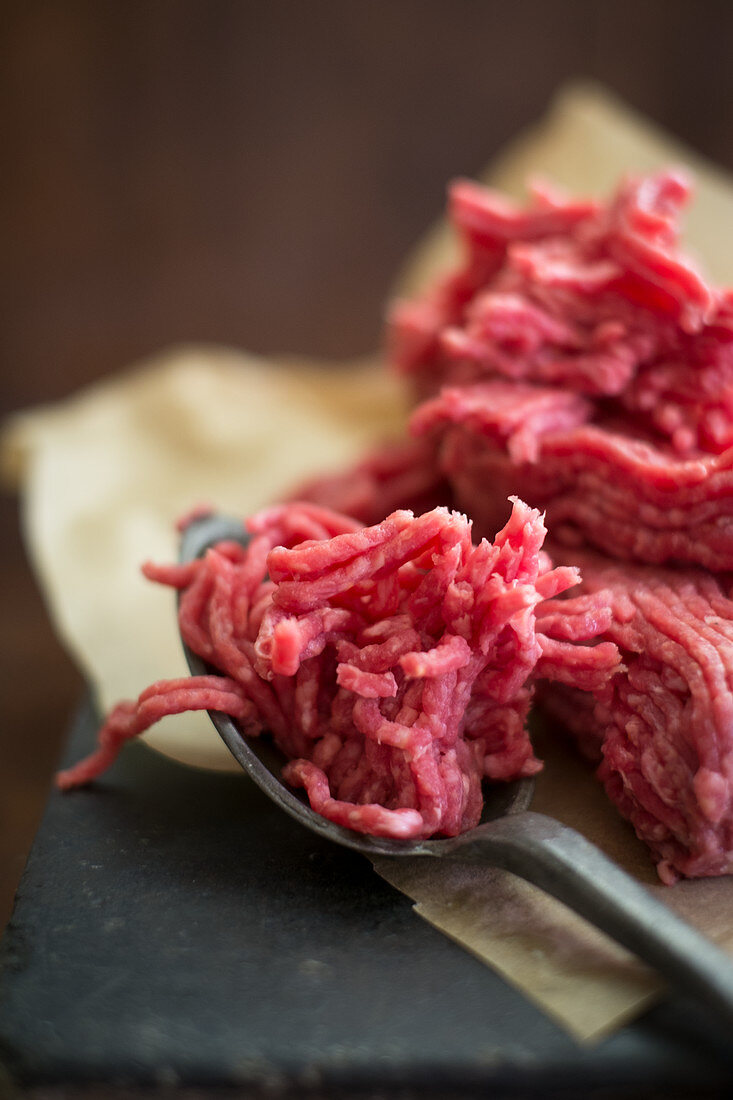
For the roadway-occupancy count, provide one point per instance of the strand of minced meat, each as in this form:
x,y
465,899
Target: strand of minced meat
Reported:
x,y
391,664
662,727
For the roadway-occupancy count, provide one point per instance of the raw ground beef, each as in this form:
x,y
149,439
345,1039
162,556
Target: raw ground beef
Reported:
x,y
662,727
589,369
391,663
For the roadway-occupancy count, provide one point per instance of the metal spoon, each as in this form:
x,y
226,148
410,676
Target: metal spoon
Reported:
x,y
534,847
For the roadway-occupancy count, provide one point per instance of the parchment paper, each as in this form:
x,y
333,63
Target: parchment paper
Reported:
x,y
104,475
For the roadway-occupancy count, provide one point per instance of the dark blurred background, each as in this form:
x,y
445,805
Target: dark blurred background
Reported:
x,y
253,174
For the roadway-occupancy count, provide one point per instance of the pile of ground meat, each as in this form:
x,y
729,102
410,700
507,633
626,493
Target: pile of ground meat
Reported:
x,y
578,359
391,664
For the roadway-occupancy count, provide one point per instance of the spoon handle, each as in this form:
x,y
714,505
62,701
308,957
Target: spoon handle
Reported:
x,y
567,866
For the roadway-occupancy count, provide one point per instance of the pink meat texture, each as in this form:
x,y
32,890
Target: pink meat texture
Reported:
x,y
391,663
661,729
576,358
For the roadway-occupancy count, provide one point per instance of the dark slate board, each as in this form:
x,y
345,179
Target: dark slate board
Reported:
x,y
174,929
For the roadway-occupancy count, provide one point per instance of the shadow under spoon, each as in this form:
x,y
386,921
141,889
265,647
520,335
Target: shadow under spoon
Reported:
x,y
531,845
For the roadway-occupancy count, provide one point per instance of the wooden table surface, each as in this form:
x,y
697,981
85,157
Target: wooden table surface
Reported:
x,y
252,174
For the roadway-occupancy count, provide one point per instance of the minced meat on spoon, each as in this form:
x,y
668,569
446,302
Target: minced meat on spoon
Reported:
x,y
391,664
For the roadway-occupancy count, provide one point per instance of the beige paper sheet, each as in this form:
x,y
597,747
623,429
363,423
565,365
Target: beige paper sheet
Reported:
x,y
105,474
